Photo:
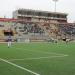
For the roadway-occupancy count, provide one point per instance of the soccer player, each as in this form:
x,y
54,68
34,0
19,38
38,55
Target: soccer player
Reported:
x,y
9,41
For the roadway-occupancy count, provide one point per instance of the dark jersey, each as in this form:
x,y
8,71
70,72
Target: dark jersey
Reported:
x,y
9,38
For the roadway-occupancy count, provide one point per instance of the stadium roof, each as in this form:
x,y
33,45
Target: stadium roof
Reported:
x,y
42,11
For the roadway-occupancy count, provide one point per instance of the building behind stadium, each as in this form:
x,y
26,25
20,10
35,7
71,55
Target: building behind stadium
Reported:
x,y
36,25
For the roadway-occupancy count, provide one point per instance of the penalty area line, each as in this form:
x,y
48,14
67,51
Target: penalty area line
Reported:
x,y
41,52
20,67
37,58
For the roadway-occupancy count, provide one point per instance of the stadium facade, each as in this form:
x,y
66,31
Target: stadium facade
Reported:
x,y
36,25
39,16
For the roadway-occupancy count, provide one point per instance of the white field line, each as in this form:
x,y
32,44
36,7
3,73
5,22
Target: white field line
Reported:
x,y
15,65
42,52
36,58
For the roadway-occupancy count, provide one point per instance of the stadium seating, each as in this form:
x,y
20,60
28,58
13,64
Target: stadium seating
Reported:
x,y
67,29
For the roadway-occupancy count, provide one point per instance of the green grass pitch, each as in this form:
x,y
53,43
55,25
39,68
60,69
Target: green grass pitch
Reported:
x,y
37,59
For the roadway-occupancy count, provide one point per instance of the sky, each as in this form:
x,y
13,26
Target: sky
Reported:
x,y
65,6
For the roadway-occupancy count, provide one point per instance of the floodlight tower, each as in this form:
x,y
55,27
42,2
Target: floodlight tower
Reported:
x,y
55,5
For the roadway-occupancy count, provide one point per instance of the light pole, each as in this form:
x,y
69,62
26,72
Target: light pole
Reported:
x,y
55,5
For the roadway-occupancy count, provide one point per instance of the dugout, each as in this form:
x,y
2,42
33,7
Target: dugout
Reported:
x,y
8,32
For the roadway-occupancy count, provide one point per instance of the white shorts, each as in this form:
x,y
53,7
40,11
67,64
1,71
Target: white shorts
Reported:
x,y
9,43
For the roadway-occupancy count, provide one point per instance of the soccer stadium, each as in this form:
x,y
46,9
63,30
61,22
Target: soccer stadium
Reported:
x,y
43,43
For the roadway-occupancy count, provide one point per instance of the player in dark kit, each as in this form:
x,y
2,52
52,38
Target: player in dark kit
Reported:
x,y
9,41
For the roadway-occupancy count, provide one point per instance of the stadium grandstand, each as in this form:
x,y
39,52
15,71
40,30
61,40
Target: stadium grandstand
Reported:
x,y
36,25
